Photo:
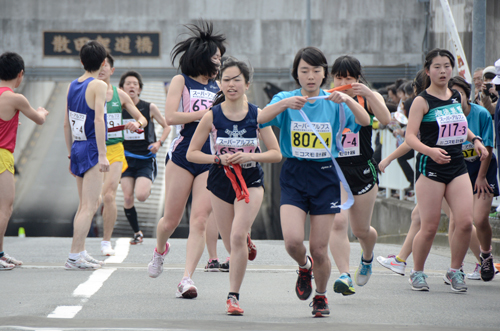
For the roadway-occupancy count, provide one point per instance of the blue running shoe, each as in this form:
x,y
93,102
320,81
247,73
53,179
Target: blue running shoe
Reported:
x,y
417,281
363,272
344,285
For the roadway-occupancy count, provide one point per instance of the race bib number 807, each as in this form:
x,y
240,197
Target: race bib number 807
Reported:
x,y
305,144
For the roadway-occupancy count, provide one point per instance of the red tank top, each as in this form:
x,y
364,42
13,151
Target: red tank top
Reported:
x,y
8,129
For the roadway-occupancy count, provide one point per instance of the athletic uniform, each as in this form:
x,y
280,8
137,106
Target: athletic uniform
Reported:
x,y
444,126
308,177
195,97
232,137
8,134
84,152
114,145
357,163
141,162
479,122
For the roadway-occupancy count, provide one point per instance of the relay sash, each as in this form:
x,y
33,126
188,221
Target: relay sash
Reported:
x,y
241,192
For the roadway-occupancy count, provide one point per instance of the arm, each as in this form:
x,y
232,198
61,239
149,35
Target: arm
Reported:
x,y
400,151
362,117
155,113
98,95
376,103
68,136
172,116
130,107
194,153
22,104
478,146
271,111
482,185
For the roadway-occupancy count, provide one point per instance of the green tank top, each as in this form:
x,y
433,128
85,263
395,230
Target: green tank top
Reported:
x,y
114,116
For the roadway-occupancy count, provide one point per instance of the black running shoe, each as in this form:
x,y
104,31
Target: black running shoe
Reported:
x,y
320,306
138,238
303,288
224,266
487,268
212,266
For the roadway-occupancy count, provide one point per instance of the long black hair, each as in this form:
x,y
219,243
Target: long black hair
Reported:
x,y
197,50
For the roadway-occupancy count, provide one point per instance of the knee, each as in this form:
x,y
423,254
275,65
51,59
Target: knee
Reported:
x,y
238,239
339,226
109,197
319,254
166,226
293,245
464,225
142,196
198,224
361,232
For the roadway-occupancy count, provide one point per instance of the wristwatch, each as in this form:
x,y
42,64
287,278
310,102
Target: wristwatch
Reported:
x,y
161,142
217,159
477,138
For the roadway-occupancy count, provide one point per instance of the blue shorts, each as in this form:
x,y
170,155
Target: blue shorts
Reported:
x,y
84,156
311,186
220,185
178,156
141,168
491,174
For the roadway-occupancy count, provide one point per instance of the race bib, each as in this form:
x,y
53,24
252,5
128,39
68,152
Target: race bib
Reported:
x,y
77,122
129,135
234,145
452,125
305,144
350,142
469,152
114,119
201,100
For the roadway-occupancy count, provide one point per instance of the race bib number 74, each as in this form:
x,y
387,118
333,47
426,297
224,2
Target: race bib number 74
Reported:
x,y
305,144
77,122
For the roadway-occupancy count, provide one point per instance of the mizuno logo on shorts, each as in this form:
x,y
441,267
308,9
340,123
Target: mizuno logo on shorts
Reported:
x,y
256,182
334,204
431,174
366,171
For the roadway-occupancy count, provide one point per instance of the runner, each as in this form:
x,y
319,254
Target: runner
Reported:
x,y
309,179
434,113
11,76
140,151
116,100
190,96
360,170
236,142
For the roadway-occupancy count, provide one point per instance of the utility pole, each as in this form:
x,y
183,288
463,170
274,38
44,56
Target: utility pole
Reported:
x,y
478,36
308,23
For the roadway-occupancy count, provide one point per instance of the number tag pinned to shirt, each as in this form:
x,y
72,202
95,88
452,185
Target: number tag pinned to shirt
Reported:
x,y
77,122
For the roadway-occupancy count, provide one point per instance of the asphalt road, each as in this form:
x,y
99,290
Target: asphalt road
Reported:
x,y
41,295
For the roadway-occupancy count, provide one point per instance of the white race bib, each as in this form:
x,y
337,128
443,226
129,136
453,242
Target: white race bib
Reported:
x,y
129,135
114,119
350,142
77,122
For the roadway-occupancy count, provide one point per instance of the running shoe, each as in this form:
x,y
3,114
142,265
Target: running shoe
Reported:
x,y
487,268
456,279
224,266
320,306
417,281
344,285
390,262
138,238
106,248
303,288
212,265
252,250
6,266
90,259
186,289
155,266
80,264
363,273
476,274
10,260
233,306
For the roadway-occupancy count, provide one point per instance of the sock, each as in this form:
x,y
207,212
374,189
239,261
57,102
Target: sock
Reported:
x,y
321,293
485,253
131,215
105,243
400,259
366,261
74,256
308,264
234,294
1,254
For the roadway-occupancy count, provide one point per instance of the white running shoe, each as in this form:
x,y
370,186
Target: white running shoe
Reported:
x,y
391,263
106,248
6,266
155,266
186,289
90,259
80,264
476,274
10,260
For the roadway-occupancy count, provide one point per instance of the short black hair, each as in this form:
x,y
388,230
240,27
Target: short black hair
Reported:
x,y
197,50
92,55
111,60
312,56
461,82
347,65
433,54
419,81
128,74
11,64
245,70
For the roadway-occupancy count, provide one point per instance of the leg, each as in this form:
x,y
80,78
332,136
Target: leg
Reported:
x,y
143,188
318,243
7,194
128,187
212,237
481,220
111,180
339,240
414,228
360,216
292,225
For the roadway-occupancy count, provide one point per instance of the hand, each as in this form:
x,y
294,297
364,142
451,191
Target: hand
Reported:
x,y
383,164
439,155
132,126
43,111
398,132
295,102
361,89
338,97
482,187
103,163
480,150
224,159
239,158
154,147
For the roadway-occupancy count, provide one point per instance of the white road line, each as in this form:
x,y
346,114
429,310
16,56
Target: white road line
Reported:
x,y
94,283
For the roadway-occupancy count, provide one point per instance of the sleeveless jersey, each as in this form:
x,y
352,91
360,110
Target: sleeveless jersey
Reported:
x,y
357,146
81,116
195,97
445,125
479,122
114,118
137,143
228,136
8,129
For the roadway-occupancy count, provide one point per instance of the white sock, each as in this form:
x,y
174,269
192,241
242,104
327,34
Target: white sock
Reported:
x,y
308,264
105,243
74,256
83,253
